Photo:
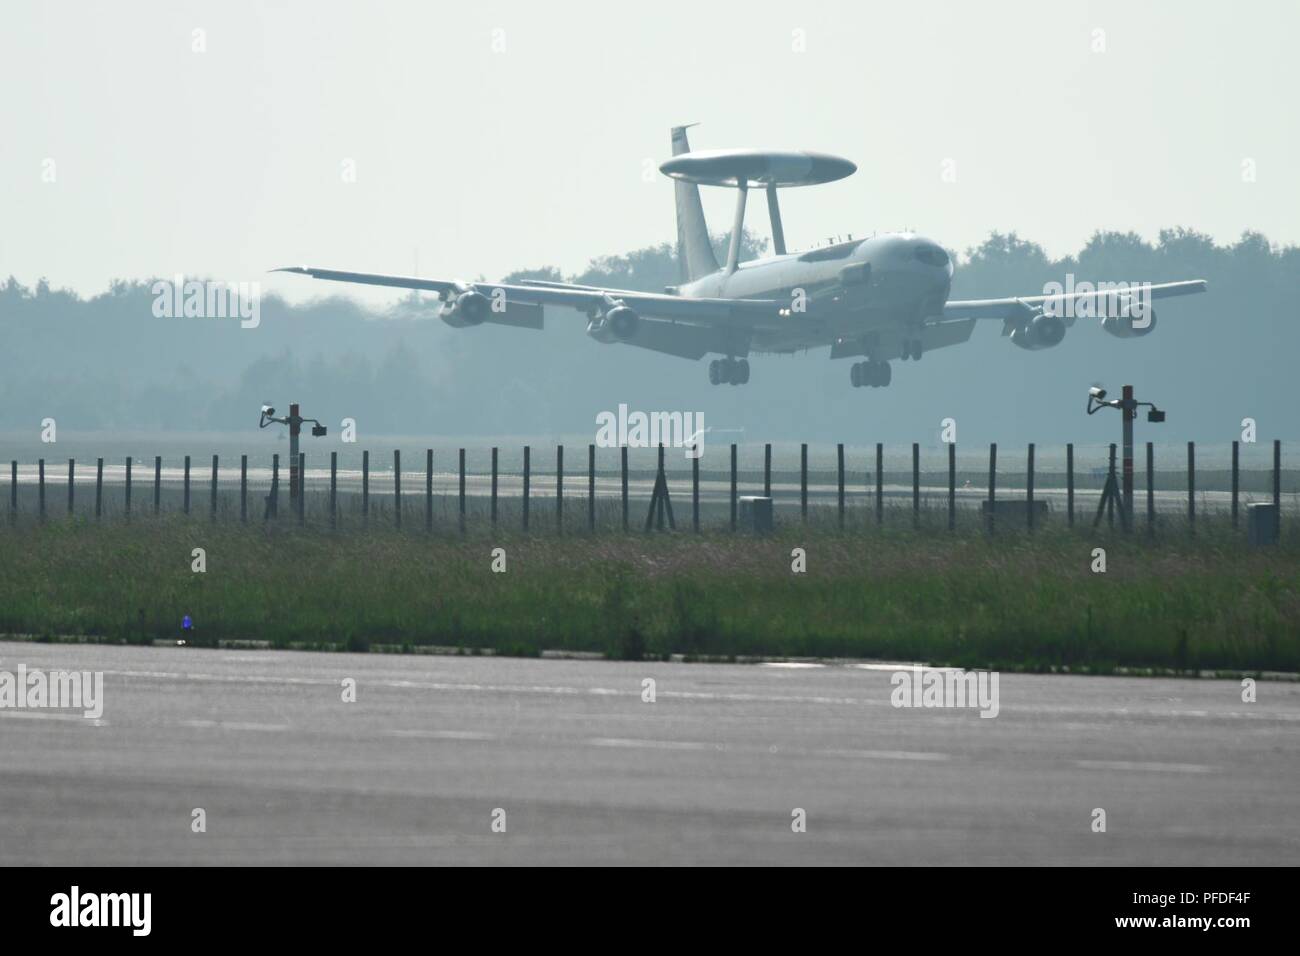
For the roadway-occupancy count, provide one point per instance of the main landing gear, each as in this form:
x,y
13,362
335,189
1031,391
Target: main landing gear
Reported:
x,y
729,371
875,374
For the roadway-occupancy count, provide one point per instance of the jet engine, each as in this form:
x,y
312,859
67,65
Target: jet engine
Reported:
x,y
1130,326
468,308
619,324
1041,332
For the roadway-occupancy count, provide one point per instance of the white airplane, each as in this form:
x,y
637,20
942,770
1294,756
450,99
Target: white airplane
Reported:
x,y
880,298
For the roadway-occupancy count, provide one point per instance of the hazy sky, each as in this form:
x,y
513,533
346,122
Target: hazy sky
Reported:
x,y
487,137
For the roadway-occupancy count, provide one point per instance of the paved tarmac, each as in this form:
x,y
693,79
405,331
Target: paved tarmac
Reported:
x,y
712,771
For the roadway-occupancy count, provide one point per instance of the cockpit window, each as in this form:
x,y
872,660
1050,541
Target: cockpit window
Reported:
x,y
931,255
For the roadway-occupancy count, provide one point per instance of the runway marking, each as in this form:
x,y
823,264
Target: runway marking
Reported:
x,y
442,734
885,754
791,665
234,725
1141,765
65,718
651,744
880,700
558,690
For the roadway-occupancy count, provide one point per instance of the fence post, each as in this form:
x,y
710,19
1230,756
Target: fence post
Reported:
x,y
1110,503
428,490
916,484
365,488
1277,482
993,484
695,491
733,486
559,489
302,487
1235,485
13,491
99,489
41,483
72,468
1191,486
803,482
462,491
334,490
591,487
128,487
624,459
880,482
527,481
187,484
494,488
767,470
1029,490
1069,484
243,489
1151,488
157,484
952,486
213,507
397,487
839,452
273,499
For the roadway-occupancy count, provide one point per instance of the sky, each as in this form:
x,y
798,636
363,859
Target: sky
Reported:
x,y
461,140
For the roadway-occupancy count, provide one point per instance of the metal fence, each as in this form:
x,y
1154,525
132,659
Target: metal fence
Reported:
x,y
560,491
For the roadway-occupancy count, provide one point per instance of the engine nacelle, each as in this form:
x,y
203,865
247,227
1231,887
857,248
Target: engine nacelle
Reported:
x,y
1130,326
1041,332
468,308
619,324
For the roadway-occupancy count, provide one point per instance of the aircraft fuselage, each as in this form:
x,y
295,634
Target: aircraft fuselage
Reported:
x,y
883,286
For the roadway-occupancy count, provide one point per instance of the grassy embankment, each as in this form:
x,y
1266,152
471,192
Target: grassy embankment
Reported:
x,y
1014,601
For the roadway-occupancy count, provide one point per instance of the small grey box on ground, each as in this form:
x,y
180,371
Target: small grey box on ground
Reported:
x,y
1261,525
1015,507
756,513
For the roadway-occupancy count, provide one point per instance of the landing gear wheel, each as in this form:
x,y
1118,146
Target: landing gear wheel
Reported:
x,y
884,374
715,372
741,376
855,374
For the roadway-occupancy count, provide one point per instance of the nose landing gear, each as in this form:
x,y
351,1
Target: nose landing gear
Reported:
x,y
874,374
729,371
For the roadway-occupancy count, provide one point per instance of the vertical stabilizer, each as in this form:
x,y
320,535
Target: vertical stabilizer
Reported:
x,y
694,251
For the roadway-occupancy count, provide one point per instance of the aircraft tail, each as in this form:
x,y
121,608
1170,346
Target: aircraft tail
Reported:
x,y
694,250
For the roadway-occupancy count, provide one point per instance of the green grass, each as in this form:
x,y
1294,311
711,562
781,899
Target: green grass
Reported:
x,y
1015,601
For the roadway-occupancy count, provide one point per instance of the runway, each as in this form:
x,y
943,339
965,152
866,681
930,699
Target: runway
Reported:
x,y
416,770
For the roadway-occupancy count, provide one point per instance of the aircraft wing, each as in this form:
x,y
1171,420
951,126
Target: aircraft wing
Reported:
x,y
679,309
1009,307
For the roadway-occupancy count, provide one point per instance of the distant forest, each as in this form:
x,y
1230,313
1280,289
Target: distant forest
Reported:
x,y
107,363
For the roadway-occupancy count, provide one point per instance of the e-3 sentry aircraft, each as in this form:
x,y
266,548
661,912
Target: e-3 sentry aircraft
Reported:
x,y
880,298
